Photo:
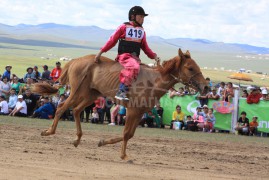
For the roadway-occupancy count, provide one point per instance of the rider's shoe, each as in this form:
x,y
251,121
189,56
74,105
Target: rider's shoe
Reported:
x,y
121,96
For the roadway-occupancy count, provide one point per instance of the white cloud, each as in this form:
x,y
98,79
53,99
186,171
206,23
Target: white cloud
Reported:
x,y
223,20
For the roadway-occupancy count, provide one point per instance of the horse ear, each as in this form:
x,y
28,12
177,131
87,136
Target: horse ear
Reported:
x,y
180,53
188,53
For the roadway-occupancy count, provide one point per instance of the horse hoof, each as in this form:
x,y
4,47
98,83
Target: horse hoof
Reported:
x,y
124,157
76,143
101,143
44,133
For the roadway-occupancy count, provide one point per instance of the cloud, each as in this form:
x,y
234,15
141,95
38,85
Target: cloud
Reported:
x,y
224,20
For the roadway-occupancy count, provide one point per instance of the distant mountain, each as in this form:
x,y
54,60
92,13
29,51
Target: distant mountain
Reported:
x,y
64,35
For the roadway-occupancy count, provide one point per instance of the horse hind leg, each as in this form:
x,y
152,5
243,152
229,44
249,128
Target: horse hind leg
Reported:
x,y
60,110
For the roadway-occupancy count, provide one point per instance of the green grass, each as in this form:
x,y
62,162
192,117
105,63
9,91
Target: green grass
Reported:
x,y
142,132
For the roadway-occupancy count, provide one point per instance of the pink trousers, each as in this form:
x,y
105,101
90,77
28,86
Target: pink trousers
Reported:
x,y
131,69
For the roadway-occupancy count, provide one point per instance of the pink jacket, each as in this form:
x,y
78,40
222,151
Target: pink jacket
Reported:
x,y
200,119
120,33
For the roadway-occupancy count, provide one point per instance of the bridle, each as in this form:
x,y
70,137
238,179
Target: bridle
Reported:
x,y
189,82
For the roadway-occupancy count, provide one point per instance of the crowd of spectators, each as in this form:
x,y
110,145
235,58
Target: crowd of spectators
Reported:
x,y
16,99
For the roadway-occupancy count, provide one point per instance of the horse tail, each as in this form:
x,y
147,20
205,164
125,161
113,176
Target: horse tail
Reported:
x,y
64,78
44,89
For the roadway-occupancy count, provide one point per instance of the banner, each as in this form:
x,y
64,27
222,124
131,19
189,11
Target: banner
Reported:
x,y
260,110
188,105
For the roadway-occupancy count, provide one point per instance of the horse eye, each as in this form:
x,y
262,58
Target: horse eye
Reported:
x,y
190,69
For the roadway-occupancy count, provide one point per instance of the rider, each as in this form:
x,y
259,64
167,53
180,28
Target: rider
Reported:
x,y
132,38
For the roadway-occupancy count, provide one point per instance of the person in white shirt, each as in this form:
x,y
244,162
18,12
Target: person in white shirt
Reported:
x,y
20,108
3,106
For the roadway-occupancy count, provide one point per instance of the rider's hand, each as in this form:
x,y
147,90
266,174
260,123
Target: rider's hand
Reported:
x,y
97,57
157,59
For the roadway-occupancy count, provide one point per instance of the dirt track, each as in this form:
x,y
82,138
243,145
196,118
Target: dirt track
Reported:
x,y
27,155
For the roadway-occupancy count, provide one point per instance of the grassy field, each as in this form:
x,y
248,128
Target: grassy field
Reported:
x,y
22,56
142,132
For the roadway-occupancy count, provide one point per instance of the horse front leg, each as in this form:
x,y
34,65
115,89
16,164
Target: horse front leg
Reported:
x,y
60,110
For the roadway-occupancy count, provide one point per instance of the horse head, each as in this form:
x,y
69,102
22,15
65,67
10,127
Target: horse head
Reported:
x,y
188,72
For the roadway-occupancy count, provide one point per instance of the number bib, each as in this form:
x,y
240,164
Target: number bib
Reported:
x,y
135,34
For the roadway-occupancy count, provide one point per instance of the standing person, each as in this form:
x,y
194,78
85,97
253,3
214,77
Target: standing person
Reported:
x,y
210,121
228,92
20,108
5,87
7,73
95,116
31,101
56,72
46,73
3,106
114,114
29,74
100,105
132,38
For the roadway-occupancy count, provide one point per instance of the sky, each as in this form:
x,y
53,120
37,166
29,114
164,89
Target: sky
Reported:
x,y
229,21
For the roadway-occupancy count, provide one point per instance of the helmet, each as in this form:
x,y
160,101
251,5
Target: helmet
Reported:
x,y
136,10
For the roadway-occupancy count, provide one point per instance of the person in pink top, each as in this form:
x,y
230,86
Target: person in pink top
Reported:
x,y
132,38
198,118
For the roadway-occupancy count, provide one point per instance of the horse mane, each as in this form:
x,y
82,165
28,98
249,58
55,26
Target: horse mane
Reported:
x,y
169,65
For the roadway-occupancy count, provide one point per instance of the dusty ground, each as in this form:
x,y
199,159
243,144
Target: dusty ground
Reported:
x,y
24,154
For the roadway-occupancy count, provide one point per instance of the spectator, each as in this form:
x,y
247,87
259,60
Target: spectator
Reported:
x,y
3,106
190,124
204,115
159,111
56,72
242,124
221,89
13,98
31,102
178,116
121,115
228,92
37,75
199,118
245,94
209,83
46,73
100,105
265,94
254,96
213,94
59,104
20,108
187,90
95,116
180,92
45,111
7,73
114,114
55,99
28,85
203,97
88,111
253,126
108,105
210,121
148,118
29,74
16,84
172,92
5,87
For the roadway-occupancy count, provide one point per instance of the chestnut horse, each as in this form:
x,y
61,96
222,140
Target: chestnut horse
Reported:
x,y
89,80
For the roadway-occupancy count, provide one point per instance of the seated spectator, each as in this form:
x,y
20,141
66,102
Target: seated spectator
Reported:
x,y
20,108
190,124
210,121
172,92
37,74
178,116
180,92
3,106
213,94
198,118
95,116
29,83
209,83
5,87
29,74
55,99
13,98
7,73
253,126
203,97
265,94
148,118
187,90
45,111
59,104
245,94
16,84
228,92
242,126
88,110
254,96
31,102
46,73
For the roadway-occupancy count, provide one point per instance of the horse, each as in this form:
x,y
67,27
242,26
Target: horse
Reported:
x,y
90,80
